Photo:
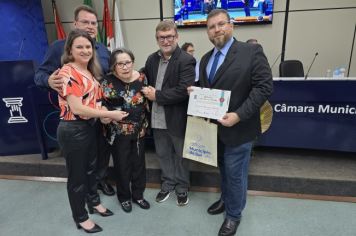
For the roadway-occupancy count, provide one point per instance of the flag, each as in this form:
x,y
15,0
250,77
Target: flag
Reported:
x,y
90,4
107,33
59,27
119,40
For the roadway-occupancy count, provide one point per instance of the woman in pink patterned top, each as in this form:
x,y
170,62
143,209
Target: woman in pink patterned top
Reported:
x,y
80,103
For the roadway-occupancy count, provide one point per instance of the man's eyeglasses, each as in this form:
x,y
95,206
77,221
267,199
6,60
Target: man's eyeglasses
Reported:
x,y
219,25
87,22
169,38
121,65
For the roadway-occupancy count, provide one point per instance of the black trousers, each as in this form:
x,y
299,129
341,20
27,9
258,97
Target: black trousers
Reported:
x,y
103,153
130,168
77,140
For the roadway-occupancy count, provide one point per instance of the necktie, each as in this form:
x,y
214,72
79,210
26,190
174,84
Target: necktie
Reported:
x,y
214,66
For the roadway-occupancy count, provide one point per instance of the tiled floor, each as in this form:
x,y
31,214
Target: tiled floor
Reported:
x,y
41,208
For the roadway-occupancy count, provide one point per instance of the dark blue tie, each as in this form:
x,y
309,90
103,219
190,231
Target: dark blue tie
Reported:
x,y
214,66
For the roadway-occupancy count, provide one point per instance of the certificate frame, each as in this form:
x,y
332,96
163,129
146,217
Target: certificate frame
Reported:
x,y
208,103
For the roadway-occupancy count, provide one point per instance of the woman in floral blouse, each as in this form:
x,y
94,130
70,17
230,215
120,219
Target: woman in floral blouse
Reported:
x,y
80,103
122,91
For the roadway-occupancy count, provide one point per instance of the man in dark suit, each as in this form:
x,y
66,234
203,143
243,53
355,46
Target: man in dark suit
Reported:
x,y
170,71
244,70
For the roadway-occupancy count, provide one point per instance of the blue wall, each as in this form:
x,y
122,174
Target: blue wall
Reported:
x,y
23,34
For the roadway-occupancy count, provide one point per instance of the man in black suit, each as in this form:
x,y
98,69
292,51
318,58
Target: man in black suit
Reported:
x,y
244,70
170,71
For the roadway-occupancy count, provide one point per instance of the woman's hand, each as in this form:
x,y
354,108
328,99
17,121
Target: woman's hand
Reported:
x,y
142,132
119,115
149,92
105,120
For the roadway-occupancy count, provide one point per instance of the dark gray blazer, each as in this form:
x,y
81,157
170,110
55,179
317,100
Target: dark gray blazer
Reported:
x,y
246,73
179,75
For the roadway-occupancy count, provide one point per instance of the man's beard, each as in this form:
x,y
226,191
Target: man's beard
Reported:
x,y
219,41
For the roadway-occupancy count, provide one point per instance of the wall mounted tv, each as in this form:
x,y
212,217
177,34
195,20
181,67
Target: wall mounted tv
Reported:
x,y
193,13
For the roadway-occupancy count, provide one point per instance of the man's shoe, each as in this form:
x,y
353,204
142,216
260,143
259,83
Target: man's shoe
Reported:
x,y
106,188
182,199
126,206
142,203
229,227
216,208
162,196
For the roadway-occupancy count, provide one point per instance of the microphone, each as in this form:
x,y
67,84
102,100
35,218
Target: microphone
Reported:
x,y
279,55
21,47
311,64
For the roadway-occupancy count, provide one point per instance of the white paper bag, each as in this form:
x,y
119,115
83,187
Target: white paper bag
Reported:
x,y
200,143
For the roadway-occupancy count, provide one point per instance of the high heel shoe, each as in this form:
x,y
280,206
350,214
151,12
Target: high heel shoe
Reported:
x,y
106,213
93,230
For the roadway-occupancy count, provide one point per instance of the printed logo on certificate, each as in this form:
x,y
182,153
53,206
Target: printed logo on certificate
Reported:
x,y
208,103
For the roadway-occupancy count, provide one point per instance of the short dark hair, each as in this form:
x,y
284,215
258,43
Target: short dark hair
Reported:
x,y
216,12
166,25
116,52
186,45
252,41
84,8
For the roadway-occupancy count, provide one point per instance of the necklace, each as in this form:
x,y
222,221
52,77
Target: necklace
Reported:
x,y
127,88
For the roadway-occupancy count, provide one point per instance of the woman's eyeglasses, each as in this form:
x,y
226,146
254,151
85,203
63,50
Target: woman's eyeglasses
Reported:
x,y
121,65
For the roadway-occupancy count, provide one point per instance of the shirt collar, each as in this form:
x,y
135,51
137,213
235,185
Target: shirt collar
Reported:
x,y
226,47
163,58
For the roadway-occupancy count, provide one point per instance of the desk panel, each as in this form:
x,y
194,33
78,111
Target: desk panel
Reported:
x,y
315,114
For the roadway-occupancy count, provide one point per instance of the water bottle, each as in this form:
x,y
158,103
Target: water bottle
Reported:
x,y
336,73
342,72
328,73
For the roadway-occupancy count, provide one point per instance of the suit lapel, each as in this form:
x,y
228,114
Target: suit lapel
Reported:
x,y
203,64
230,57
155,69
169,71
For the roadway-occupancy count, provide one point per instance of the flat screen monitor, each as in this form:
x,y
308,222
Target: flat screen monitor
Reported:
x,y
193,13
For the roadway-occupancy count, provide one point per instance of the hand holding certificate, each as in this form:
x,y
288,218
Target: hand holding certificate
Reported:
x,y
208,103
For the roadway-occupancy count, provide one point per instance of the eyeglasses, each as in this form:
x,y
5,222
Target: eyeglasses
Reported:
x,y
169,38
121,65
87,22
219,25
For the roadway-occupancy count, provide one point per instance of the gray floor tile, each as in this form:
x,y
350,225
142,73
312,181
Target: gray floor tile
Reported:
x,y
41,208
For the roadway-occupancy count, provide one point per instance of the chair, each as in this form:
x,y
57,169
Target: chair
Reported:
x,y
291,68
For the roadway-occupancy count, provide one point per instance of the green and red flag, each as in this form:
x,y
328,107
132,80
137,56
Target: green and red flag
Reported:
x,y
107,33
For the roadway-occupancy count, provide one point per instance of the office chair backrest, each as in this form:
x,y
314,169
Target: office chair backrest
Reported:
x,y
291,68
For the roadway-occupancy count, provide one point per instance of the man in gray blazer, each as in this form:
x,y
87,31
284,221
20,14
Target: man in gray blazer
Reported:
x,y
244,70
170,71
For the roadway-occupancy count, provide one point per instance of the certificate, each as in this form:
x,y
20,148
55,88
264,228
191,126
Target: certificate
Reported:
x,y
208,103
